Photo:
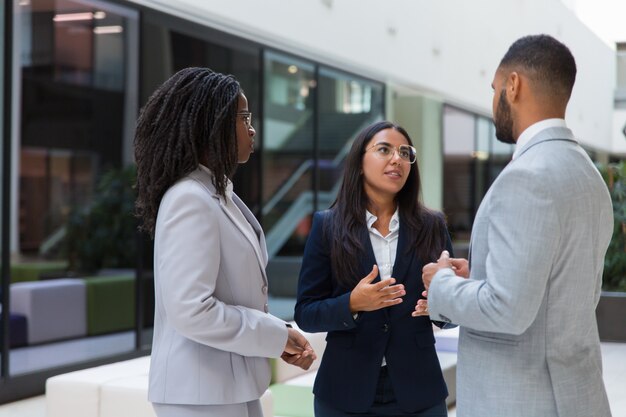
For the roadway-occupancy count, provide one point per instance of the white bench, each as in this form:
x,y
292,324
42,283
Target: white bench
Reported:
x,y
115,390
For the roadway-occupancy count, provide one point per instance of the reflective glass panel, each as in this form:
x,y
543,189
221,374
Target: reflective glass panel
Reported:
x,y
72,275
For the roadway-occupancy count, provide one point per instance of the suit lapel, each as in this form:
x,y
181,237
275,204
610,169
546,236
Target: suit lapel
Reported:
x,y
255,226
403,259
259,248
369,259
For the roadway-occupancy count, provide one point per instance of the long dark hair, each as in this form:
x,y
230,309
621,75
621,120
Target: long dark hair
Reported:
x,y
426,228
190,119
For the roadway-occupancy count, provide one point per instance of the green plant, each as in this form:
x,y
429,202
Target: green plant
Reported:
x,y
614,277
103,235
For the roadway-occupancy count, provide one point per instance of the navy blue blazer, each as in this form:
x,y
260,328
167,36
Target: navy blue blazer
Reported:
x,y
350,367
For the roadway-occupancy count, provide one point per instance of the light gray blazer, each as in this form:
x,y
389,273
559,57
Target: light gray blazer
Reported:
x,y
212,332
529,341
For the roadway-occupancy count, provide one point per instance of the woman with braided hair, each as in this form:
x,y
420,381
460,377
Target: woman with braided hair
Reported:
x,y
213,334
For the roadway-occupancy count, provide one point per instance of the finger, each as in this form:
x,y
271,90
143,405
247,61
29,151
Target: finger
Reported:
x,y
428,267
392,302
372,275
445,256
304,363
425,294
384,283
290,359
293,346
297,339
309,350
392,289
421,308
390,293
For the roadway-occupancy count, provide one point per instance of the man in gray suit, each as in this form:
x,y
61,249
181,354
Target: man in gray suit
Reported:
x,y
529,342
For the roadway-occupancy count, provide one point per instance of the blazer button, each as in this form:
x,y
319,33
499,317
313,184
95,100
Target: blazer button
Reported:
x,y
266,308
385,327
264,289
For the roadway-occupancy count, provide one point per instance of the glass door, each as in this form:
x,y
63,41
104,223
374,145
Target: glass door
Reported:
x,y
73,253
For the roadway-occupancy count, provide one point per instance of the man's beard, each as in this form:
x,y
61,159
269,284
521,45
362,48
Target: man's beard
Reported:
x,y
503,121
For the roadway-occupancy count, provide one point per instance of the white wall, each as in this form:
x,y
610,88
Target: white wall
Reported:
x,y
619,123
605,17
449,49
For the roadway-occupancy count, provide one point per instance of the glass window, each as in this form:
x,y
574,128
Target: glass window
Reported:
x,y
473,158
500,156
346,105
480,160
75,247
288,159
621,66
3,316
459,146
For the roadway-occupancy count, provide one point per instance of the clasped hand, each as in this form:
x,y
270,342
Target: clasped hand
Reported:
x,y
298,351
460,267
369,297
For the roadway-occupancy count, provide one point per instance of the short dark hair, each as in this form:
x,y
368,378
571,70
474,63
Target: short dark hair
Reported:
x,y
188,120
548,62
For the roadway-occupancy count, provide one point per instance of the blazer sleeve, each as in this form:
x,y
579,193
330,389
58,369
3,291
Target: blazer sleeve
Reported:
x,y
448,240
318,309
523,240
188,266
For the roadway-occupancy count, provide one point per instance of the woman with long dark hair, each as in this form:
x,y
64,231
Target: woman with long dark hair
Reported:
x,y
212,331
360,281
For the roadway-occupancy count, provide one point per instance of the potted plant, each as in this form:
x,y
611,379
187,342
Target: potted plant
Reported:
x,y
104,234
611,311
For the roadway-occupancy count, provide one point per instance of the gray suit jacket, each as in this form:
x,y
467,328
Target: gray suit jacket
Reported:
x,y
529,341
212,332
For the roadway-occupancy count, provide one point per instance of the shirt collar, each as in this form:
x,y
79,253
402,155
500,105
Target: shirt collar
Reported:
x,y
394,223
532,131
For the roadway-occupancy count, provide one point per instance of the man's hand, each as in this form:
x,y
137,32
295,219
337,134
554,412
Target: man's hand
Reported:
x,y
369,297
298,351
460,267
429,271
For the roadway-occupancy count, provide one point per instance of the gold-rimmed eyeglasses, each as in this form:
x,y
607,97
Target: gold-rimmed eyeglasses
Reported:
x,y
247,118
385,151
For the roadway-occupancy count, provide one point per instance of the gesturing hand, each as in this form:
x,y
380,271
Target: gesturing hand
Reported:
x,y
421,308
298,351
369,297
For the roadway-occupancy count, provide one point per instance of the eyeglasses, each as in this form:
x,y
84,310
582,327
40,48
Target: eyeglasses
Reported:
x,y
385,152
247,118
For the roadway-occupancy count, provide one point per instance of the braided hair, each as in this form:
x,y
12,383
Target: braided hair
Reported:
x,y
190,119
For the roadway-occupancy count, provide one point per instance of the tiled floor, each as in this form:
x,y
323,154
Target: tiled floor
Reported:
x,y
614,364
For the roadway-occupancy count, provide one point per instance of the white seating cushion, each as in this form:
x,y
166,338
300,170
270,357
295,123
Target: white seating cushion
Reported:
x,y
77,394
